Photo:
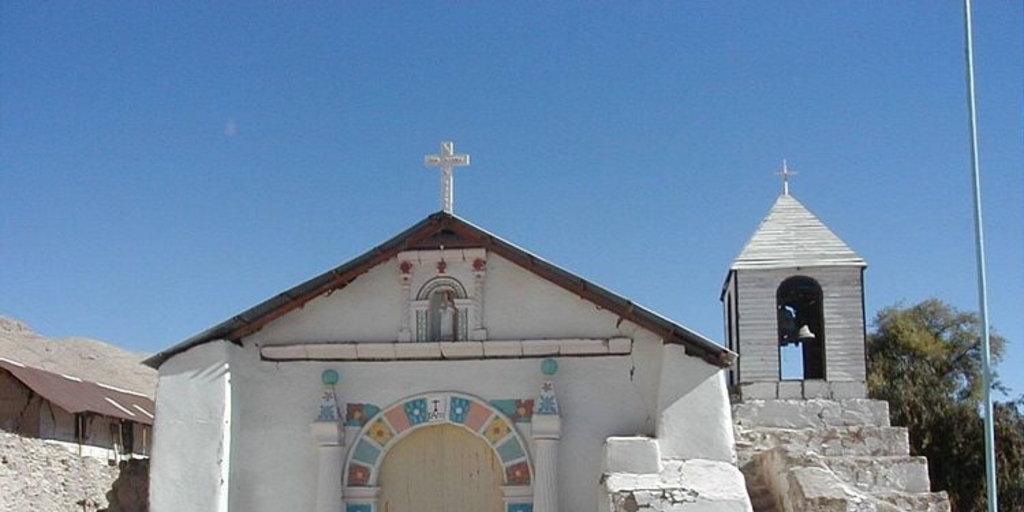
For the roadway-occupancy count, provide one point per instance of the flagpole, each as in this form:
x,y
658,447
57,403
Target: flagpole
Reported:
x,y
979,239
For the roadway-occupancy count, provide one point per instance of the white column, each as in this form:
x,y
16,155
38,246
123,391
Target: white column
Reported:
x,y
478,332
404,334
330,449
329,435
546,431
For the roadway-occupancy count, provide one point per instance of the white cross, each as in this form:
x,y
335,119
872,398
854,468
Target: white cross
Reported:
x,y
785,173
447,161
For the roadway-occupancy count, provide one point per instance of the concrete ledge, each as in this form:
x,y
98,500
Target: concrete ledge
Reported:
x,y
375,351
417,350
508,349
632,455
810,413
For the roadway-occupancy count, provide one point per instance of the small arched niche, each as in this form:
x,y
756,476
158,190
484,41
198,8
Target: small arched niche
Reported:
x,y
801,328
442,311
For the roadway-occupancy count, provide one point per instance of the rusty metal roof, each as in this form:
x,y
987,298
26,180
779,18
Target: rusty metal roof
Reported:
x,y
791,236
76,395
444,229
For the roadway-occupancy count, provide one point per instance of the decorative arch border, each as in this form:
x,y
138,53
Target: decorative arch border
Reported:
x,y
441,282
388,427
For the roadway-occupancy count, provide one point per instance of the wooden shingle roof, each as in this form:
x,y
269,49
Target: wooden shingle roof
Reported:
x,y
791,236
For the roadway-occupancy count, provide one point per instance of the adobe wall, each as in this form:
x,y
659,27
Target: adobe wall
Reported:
x,y
36,475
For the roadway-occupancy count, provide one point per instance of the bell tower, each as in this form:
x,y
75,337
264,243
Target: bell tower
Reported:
x,y
794,310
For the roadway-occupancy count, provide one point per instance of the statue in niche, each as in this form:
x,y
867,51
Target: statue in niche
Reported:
x,y
444,317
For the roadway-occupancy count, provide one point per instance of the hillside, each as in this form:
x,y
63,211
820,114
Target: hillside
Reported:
x,y
84,358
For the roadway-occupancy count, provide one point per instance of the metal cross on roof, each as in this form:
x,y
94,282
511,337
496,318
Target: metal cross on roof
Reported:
x,y
785,173
447,160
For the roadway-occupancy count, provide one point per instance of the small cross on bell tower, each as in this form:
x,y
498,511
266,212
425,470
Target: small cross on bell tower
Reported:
x,y
785,173
447,160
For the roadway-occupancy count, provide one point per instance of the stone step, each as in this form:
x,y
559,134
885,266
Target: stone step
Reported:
x,y
798,414
881,474
828,441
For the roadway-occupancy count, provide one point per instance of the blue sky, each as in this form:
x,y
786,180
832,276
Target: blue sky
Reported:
x,y
167,165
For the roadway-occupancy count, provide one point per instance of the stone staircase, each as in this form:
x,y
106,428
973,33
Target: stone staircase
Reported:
x,y
829,455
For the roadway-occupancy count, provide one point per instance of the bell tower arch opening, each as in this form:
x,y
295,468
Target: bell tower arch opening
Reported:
x,y
801,329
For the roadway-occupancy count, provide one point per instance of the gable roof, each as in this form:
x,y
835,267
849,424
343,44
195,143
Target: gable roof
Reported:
x,y
791,236
452,232
75,395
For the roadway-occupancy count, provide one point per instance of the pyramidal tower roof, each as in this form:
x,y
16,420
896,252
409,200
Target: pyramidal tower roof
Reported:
x,y
791,236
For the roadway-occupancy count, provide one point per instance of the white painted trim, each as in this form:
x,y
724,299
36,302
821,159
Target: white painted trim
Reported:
x,y
350,351
433,256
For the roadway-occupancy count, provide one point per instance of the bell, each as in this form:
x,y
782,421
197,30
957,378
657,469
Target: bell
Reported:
x,y
805,333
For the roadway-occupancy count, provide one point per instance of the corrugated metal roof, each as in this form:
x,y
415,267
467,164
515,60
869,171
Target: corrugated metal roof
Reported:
x,y
443,229
76,395
791,236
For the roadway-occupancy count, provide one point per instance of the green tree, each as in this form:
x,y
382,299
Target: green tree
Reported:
x,y
925,360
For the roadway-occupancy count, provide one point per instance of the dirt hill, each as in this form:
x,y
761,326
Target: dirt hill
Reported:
x,y
84,358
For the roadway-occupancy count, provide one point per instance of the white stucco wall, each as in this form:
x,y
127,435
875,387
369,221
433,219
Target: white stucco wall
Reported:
x,y
275,403
518,305
273,458
192,433
694,416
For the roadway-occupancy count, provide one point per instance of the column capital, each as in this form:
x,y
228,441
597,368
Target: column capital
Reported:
x,y
546,426
327,433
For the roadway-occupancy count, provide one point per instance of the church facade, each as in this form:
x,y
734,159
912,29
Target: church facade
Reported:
x,y
446,369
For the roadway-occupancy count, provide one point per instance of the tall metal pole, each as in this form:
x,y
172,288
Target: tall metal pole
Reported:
x,y
979,239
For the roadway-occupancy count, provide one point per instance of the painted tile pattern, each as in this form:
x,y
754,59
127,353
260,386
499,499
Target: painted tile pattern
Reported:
x,y
518,474
366,507
491,421
328,405
358,474
366,452
477,416
546,402
381,432
511,450
518,507
458,409
519,411
497,429
416,411
358,414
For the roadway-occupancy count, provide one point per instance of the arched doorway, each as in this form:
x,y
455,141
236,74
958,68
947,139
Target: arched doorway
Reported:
x,y
442,468
493,444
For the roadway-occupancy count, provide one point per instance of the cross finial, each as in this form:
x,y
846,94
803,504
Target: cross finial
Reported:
x,y
785,173
447,160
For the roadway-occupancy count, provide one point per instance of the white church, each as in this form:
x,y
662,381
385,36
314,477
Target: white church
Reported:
x,y
450,370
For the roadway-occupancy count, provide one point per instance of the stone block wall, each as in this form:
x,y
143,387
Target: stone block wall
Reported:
x,y
37,475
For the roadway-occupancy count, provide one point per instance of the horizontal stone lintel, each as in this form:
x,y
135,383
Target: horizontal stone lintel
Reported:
x,y
448,350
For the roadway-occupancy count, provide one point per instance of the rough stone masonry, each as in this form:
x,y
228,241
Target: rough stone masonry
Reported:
x,y
36,475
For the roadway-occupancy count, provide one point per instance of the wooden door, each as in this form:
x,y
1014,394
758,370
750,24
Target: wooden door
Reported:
x,y
441,468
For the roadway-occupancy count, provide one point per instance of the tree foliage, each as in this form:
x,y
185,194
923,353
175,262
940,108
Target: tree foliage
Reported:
x,y
925,360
